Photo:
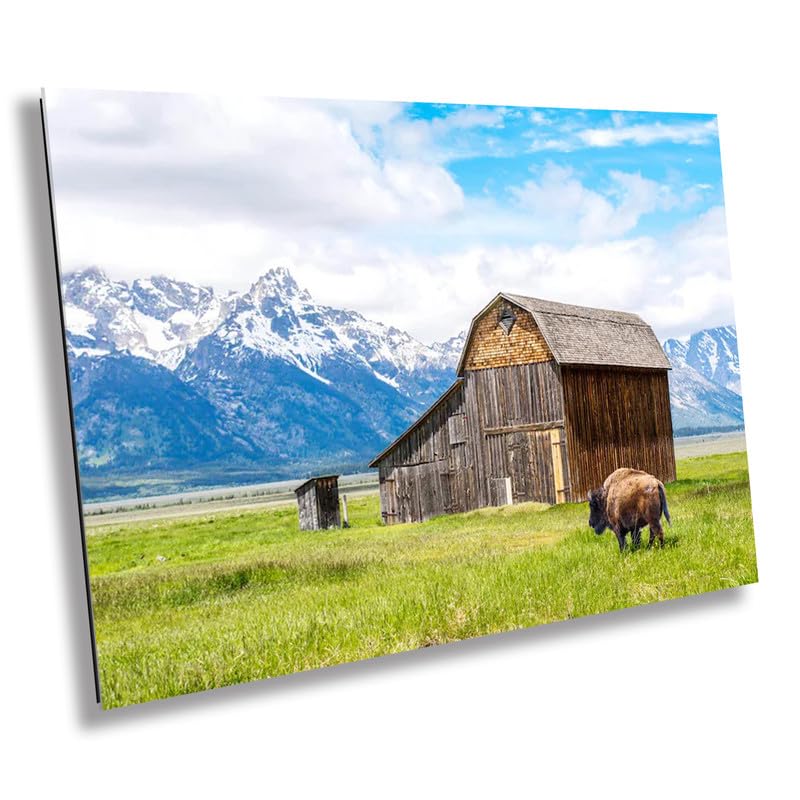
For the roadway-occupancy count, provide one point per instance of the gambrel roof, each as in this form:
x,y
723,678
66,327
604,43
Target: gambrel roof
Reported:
x,y
579,335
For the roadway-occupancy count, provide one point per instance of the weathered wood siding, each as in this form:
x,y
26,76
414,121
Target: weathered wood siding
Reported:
x,y
430,472
500,403
490,346
328,503
616,418
429,440
417,492
318,504
307,508
526,458
516,395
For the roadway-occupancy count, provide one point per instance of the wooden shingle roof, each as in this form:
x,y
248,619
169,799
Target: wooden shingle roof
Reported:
x,y
579,335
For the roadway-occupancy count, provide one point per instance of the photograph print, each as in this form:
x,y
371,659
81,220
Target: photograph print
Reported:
x,y
353,378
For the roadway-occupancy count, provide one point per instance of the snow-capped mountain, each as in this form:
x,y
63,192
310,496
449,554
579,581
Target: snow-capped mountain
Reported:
x,y
698,403
276,379
160,319
714,353
705,386
168,376
154,319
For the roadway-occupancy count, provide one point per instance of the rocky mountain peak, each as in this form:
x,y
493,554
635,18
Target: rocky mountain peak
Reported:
x,y
277,284
712,352
676,350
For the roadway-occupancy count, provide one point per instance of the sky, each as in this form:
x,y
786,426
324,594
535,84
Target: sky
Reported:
x,y
413,214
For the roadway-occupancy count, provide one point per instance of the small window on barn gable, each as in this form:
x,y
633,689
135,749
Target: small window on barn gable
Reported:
x,y
507,319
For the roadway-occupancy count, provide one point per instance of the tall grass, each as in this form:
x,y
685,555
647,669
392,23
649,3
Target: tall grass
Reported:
x,y
190,604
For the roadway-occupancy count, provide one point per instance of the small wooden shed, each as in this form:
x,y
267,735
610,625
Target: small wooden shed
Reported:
x,y
549,399
318,503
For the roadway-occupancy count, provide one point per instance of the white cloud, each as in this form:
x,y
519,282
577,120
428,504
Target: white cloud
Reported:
x,y
685,133
442,138
679,284
570,137
539,144
207,159
573,211
470,117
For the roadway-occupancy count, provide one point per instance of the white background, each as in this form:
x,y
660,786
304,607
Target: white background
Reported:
x,y
695,697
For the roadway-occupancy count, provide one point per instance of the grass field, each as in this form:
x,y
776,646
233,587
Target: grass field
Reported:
x,y
191,604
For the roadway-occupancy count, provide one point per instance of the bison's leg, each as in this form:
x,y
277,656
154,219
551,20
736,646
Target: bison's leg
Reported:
x,y
656,531
621,539
636,537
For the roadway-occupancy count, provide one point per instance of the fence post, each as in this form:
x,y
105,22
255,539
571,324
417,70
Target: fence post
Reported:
x,y
345,521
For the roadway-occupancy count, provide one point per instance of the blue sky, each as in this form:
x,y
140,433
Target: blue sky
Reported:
x,y
414,214
516,145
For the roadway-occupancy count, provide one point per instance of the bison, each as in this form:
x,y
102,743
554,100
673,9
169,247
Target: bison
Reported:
x,y
628,501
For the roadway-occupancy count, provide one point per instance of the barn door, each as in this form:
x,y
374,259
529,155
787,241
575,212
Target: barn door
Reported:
x,y
520,467
328,503
540,476
527,465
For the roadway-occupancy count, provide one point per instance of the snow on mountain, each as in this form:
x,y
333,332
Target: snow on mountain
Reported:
x,y
371,380
705,385
698,402
155,319
277,318
449,352
715,354
160,319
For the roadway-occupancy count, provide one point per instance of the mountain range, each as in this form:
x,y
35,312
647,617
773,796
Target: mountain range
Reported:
x,y
170,377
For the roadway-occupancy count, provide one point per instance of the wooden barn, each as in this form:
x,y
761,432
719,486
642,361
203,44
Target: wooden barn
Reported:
x,y
549,399
318,503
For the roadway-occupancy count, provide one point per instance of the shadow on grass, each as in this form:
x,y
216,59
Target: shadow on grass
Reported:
x,y
671,541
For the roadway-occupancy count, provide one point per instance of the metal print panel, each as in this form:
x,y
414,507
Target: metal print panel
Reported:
x,y
354,378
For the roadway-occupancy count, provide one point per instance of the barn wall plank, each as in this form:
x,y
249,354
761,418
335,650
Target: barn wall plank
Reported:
x,y
616,418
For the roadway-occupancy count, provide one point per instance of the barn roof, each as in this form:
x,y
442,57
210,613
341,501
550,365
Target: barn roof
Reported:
x,y
312,480
439,400
581,335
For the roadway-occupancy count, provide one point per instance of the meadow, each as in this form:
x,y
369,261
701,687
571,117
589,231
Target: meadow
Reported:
x,y
188,604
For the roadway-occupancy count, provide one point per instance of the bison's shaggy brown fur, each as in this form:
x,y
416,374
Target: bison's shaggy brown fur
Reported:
x,y
628,501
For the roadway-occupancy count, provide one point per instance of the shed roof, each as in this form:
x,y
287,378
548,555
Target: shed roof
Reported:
x,y
581,335
312,480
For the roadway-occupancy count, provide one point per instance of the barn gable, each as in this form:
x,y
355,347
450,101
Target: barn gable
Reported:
x,y
503,335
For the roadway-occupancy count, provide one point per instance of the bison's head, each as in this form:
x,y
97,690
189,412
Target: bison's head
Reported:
x,y
598,520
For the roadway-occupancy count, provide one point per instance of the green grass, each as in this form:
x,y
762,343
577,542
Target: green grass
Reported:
x,y
242,596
